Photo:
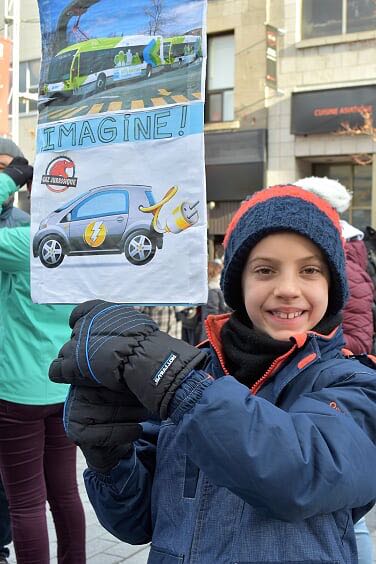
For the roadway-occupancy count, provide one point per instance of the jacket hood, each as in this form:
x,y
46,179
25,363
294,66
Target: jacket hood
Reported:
x,y
356,252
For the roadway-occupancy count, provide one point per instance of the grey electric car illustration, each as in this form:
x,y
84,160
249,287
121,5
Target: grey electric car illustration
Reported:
x,y
104,220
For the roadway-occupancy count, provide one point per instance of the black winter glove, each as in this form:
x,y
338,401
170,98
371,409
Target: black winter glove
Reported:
x,y
103,424
20,171
116,346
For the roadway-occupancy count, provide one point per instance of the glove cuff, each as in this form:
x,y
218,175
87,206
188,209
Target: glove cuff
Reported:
x,y
188,394
196,362
107,463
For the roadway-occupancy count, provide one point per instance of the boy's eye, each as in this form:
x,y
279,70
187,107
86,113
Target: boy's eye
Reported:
x,y
311,270
263,270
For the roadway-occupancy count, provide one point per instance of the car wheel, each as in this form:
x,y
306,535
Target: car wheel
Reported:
x,y
148,71
101,83
139,247
51,252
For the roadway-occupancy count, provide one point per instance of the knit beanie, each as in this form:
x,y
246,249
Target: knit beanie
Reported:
x,y
8,147
284,208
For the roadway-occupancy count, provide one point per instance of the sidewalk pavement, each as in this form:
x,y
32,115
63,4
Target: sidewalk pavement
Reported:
x,y
103,548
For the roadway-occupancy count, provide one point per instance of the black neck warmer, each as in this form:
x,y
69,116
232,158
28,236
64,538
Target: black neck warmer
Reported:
x,y
249,353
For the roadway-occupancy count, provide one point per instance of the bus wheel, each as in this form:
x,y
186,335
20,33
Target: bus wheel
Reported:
x,y
148,71
101,83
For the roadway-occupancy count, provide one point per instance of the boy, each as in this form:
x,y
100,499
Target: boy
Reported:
x,y
273,463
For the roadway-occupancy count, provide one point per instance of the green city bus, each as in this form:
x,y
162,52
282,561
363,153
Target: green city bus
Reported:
x,y
90,66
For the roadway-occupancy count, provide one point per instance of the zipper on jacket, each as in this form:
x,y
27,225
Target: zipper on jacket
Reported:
x,y
271,370
217,351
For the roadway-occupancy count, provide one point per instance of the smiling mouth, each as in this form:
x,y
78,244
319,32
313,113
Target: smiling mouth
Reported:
x,y
289,315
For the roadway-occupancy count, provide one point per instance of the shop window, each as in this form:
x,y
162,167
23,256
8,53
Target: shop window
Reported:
x,y
220,80
357,179
335,17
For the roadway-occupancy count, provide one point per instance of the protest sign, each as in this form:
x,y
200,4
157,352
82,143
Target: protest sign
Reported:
x,y
118,197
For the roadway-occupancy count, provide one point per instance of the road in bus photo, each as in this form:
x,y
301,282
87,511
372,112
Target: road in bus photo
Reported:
x,y
92,66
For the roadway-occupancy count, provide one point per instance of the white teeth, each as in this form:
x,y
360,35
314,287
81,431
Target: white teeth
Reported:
x,y
284,315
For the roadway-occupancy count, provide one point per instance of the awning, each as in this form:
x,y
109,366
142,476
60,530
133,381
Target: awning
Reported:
x,y
235,164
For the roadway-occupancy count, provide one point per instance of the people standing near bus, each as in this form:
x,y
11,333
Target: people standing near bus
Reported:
x,y
129,57
37,461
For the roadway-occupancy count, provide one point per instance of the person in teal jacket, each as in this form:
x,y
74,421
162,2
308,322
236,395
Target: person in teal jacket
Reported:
x,y
37,461
10,216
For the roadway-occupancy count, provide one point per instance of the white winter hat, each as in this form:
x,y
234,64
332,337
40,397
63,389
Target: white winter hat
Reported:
x,y
328,189
350,231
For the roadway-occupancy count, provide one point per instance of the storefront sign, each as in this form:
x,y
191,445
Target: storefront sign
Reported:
x,y
326,111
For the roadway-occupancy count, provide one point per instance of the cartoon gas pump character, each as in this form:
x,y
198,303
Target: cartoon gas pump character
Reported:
x,y
184,215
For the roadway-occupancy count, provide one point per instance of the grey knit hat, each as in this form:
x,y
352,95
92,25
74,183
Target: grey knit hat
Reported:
x,y
8,147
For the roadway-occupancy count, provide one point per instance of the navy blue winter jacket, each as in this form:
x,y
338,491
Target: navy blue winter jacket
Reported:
x,y
277,474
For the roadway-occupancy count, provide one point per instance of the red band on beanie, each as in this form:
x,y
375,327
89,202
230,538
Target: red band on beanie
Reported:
x,y
283,192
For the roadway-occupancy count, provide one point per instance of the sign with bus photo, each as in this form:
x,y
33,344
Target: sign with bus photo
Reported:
x,y
118,197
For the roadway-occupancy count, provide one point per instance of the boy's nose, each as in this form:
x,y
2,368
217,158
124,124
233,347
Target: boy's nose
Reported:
x,y
287,286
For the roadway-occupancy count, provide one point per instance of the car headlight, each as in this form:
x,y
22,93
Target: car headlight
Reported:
x,y
43,224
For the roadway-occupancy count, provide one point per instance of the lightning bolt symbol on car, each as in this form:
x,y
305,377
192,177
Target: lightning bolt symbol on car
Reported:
x,y
96,230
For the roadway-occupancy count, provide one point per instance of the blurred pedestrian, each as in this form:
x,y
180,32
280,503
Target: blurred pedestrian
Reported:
x,y
191,324
357,315
9,217
216,303
37,461
166,318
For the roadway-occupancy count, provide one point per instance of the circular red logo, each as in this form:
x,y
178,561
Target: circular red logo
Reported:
x,y
60,175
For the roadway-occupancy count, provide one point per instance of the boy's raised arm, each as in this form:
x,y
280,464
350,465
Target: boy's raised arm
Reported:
x,y
295,464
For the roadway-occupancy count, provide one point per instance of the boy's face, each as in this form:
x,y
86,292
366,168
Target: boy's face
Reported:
x,y
285,285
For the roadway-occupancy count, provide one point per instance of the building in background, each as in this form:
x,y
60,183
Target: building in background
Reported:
x,y
239,87
283,78
236,114
327,72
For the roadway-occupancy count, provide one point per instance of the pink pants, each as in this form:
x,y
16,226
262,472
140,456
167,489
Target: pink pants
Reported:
x,y
38,463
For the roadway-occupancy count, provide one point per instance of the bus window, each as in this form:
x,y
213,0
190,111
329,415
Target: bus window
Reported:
x,y
166,50
95,61
86,62
60,66
178,50
75,71
138,53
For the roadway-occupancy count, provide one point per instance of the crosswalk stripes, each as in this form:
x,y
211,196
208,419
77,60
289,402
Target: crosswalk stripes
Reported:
x,y
159,101
180,99
114,106
137,104
165,99
95,109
